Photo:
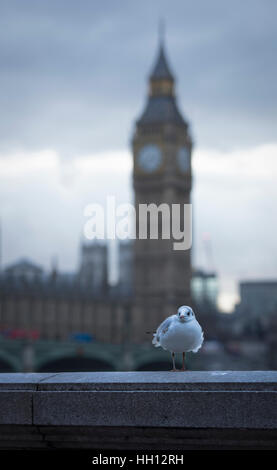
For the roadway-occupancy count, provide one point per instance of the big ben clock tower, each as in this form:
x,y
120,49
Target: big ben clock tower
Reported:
x,y
162,175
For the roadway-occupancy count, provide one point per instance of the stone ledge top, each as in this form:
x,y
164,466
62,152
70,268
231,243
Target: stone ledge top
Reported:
x,y
101,381
223,399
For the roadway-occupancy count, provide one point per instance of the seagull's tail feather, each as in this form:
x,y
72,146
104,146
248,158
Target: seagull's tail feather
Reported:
x,y
156,340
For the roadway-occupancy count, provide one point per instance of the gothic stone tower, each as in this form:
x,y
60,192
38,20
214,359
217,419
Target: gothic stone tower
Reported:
x,y
162,174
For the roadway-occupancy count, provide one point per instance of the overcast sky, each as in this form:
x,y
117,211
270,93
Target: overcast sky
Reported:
x,y
73,81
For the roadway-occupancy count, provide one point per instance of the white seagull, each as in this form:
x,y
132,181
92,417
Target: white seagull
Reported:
x,y
179,333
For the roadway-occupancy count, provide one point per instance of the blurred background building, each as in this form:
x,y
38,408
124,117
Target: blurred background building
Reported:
x,y
54,321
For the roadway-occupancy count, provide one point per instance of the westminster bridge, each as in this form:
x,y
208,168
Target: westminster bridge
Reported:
x,y
21,355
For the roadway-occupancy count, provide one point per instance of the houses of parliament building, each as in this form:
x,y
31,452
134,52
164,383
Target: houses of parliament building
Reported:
x,y
154,279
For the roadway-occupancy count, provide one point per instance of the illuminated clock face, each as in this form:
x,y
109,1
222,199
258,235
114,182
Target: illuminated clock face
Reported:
x,y
149,158
183,159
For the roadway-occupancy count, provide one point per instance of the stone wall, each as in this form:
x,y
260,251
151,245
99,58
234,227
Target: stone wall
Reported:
x,y
139,410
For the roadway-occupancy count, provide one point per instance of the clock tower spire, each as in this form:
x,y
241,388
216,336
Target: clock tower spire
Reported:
x,y
162,175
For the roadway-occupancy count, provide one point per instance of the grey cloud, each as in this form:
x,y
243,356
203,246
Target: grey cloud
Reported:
x,y
73,74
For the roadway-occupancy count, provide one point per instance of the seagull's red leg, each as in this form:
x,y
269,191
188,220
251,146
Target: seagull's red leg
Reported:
x,y
173,360
183,366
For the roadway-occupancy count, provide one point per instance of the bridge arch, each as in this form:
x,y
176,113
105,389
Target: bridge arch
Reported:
x,y
75,359
8,363
73,363
154,366
156,360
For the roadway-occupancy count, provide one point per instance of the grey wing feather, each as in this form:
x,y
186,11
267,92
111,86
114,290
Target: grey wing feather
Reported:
x,y
162,329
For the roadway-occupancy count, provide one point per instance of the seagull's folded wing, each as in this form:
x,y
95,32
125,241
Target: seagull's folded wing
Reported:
x,y
161,330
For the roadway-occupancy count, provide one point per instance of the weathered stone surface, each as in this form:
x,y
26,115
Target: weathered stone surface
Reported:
x,y
185,410
139,438
15,407
21,381
157,408
221,380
